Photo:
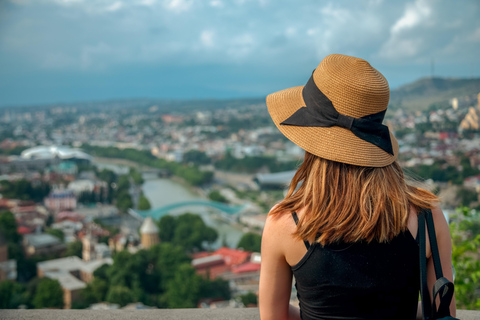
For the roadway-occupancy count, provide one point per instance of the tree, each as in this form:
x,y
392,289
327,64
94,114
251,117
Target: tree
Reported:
x,y
197,157
249,298
166,227
56,233
217,288
183,291
168,257
215,195
119,294
95,291
11,294
49,294
191,232
143,203
136,176
465,230
250,242
124,201
74,249
8,227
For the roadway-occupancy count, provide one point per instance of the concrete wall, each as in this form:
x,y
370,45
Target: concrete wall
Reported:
x,y
164,314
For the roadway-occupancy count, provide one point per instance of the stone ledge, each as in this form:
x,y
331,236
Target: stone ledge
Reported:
x,y
164,314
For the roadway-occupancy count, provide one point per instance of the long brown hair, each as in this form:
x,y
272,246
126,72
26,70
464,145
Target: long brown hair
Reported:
x,y
349,203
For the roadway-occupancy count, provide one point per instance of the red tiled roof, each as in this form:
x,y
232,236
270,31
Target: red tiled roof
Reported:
x,y
24,230
246,267
233,257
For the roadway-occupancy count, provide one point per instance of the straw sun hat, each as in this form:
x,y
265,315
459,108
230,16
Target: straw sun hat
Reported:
x,y
338,114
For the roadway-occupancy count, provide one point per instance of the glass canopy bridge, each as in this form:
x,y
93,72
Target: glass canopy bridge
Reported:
x,y
157,213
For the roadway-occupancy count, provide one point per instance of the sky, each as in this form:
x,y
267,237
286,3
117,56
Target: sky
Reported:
x,y
60,51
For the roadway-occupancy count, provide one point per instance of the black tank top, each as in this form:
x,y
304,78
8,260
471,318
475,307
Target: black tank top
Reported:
x,y
359,280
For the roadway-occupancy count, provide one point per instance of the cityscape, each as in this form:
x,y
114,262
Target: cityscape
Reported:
x,y
139,161
101,200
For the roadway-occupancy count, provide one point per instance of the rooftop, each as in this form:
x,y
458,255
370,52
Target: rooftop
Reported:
x,y
42,240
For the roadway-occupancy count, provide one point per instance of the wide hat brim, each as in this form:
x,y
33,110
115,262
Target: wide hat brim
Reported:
x,y
332,143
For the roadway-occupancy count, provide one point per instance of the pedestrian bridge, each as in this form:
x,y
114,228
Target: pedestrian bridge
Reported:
x,y
157,213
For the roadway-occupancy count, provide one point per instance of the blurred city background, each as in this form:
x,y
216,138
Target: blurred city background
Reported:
x,y
138,161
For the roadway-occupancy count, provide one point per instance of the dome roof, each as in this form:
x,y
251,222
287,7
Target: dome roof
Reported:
x,y
49,152
148,226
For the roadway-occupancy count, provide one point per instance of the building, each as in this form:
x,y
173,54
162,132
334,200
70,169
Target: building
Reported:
x,y
149,233
42,243
72,273
92,250
60,200
278,180
60,152
240,268
8,268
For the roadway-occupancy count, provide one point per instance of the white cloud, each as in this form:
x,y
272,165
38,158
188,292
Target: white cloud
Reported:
x,y
179,5
404,42
217,3
243,31
114,6
147,3
207,38
415,14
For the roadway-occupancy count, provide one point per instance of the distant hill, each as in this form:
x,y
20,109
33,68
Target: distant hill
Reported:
x,y
423,93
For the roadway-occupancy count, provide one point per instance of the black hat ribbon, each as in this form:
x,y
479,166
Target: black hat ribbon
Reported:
x,y
320,112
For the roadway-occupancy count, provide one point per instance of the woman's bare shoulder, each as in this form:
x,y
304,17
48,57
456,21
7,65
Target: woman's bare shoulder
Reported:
x,y
279,222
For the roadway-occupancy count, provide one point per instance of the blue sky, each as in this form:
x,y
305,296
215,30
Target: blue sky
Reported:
x,y
54,51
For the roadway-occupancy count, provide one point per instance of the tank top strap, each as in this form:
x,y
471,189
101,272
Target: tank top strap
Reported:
x,y
295,218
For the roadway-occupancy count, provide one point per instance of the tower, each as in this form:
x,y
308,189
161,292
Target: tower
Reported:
x,y
149,233
88,247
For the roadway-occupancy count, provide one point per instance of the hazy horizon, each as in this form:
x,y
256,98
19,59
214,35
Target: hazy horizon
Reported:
x,y
68,51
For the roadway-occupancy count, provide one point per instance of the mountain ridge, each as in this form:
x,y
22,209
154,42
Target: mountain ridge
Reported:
x,y
433,92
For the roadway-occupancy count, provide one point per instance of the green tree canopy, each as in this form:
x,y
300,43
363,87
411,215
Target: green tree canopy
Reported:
x,y
183,291
143,203
120,294
465,230
8,227
215,195
166,227
49,294
191,232
187,230
11,294
250,242
74,249
249,298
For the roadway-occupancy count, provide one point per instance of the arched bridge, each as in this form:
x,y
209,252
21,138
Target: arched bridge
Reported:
x,y
161,211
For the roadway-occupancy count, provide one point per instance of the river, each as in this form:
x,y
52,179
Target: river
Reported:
x,y
161,192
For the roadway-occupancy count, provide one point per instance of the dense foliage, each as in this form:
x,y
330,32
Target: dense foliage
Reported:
x,y
443,172
49,294
215,195
24,190
465,230
143,203
191,173
187,230
250,242
160,276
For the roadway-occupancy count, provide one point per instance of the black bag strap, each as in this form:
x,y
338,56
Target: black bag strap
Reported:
x,y
426,306
443,287
295,218
433,244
